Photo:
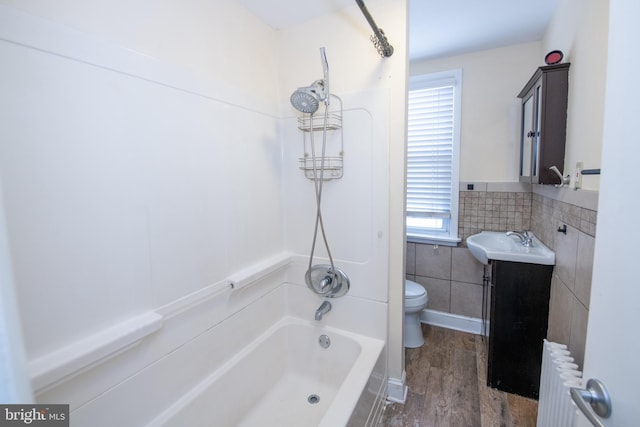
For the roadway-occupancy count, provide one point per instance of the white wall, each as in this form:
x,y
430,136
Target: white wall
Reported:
x,y
14,377
615,296
580,29
130,182
364,210
493,78
197,35
491,81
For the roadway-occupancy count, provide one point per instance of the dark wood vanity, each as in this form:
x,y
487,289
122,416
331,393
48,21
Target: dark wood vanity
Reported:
x,y
519,312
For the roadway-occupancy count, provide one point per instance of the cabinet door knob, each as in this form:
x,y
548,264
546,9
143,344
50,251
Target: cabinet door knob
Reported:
x,y
531,134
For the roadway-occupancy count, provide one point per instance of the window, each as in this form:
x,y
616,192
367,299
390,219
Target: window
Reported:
x,y
433,147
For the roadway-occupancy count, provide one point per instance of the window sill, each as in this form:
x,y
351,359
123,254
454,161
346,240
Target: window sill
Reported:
x,y
434,240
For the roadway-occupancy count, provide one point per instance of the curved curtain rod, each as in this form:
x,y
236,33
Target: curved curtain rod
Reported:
x,y
379,39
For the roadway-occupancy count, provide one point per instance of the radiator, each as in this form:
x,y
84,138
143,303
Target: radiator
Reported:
x,y
559,374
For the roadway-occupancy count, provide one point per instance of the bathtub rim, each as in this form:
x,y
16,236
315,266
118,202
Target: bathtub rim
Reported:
x,y
346,398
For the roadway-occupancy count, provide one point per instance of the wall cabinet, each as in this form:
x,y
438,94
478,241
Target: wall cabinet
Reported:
x,y
519,311
544,124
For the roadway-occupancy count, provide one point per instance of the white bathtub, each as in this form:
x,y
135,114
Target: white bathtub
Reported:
x,y
270,381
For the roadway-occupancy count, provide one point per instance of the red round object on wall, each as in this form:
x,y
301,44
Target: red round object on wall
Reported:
x,y
553,57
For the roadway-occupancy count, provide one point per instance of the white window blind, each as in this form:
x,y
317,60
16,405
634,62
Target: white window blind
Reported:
x,y
432,147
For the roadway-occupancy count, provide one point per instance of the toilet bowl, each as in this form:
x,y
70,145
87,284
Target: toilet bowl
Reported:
x,y
415,300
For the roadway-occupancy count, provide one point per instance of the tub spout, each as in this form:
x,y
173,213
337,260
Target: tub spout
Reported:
x,y
325,307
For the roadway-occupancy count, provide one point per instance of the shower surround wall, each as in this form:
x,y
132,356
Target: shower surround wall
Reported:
x,y
128,197
135,185
363,211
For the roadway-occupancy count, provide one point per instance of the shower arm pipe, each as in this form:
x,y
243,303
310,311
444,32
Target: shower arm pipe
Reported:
x,y
383,46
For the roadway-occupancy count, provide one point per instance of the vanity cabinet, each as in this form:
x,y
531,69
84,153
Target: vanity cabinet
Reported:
x,y
519,312
544,124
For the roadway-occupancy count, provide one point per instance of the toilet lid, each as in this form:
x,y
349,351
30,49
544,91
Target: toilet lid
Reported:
x,y
413,290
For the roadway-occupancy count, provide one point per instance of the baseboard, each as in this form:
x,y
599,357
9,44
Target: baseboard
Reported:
x,y
397,389
457,322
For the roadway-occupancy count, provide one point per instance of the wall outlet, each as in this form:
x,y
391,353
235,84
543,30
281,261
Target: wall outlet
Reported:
x,y
578,176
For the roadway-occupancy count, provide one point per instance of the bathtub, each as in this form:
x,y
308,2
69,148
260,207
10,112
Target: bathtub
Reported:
x,y
285,377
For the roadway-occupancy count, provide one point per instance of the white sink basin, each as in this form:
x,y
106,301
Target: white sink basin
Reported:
x,y
497,245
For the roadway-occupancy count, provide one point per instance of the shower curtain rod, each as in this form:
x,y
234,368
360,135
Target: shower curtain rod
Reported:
x,y
379,39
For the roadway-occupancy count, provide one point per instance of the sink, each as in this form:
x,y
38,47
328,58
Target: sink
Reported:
x,y
497,245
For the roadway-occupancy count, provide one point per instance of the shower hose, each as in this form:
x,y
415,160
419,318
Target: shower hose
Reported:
x,y
318,181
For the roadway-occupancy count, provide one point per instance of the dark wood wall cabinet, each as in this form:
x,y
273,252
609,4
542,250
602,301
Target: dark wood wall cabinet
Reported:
x,y
544,124
519,311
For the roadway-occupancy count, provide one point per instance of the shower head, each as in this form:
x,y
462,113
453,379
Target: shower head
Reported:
x,y
304,100
307,99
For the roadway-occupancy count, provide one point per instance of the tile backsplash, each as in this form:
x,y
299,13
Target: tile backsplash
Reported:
x,y
453,277
493,211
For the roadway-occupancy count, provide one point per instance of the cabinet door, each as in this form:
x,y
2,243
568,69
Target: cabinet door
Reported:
x,y
544,123
536,136
519,312
527,139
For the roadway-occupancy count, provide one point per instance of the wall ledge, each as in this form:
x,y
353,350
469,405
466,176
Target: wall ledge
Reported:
x,y
587,199
496,186
64,363
68,361
242,279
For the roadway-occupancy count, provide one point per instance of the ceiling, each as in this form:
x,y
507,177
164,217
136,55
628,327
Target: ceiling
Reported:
x,y
442,28
437,28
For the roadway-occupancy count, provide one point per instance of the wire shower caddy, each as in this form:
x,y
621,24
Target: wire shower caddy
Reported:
x,y
329,166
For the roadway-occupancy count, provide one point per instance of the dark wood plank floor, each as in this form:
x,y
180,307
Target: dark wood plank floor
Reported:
x,y
447,387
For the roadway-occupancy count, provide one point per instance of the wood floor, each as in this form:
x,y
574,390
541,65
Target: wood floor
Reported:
x,y
447,387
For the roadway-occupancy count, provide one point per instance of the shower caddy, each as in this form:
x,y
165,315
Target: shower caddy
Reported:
x,y
331,164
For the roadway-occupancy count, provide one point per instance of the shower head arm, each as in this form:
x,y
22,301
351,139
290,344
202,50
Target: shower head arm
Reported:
x,y
321,89
325,70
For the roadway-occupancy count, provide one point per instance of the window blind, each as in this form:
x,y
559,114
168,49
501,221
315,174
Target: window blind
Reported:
x,y
430,151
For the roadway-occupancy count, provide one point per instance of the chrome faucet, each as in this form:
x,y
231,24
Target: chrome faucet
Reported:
x,y
325,307
526,238
325,283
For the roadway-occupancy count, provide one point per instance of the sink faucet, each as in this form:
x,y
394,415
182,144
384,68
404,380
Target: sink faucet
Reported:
x,y
325,307
526,237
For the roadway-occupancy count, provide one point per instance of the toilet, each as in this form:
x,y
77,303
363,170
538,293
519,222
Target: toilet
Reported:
x,y
415,300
